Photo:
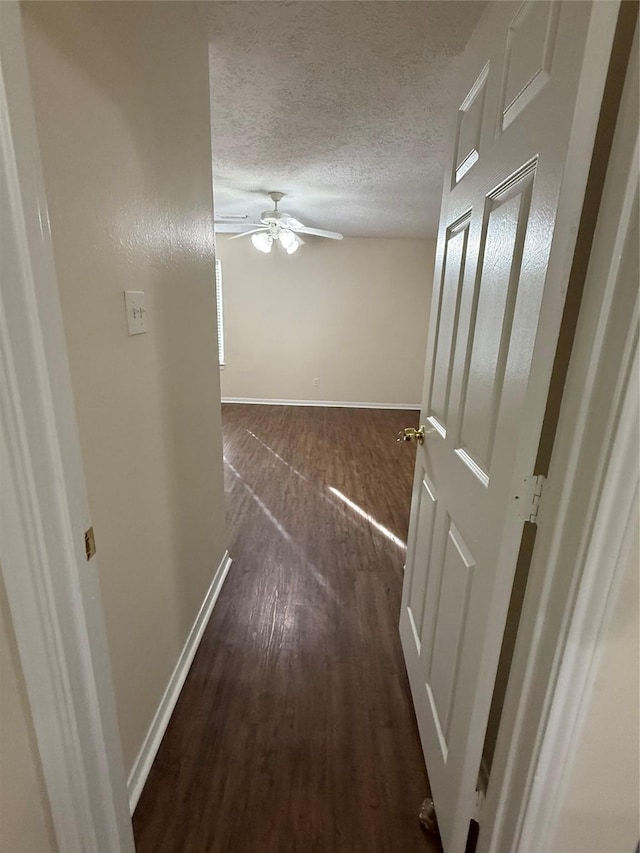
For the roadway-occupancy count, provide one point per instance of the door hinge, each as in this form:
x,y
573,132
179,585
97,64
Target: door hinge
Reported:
x,y
528,497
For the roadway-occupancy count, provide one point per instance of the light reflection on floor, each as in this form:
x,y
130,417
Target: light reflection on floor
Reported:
x,y
282,615
265,509
380,527
277,455
353,506
297,550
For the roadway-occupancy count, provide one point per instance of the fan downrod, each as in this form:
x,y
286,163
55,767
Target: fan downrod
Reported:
x,y
276,197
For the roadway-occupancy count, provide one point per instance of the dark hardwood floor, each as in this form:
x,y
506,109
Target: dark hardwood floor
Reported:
x,y
295,732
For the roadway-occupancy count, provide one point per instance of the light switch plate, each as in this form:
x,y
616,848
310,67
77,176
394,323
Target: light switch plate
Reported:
x,y
136,311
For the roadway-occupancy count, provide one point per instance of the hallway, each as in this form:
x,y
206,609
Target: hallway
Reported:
x,y
295,730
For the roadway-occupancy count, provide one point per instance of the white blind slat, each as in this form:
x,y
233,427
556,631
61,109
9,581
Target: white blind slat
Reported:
x,y
219,311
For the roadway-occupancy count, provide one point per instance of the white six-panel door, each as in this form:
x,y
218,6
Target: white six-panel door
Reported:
x,y
513,195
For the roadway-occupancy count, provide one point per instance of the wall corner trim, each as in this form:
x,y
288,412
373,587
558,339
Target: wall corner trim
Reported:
x,y
155,733
346,404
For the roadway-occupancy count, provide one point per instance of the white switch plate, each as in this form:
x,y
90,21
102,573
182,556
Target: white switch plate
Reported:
x,y
136,311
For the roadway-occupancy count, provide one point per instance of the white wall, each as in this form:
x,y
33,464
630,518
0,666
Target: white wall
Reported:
x,y
600,808
121,94
352,313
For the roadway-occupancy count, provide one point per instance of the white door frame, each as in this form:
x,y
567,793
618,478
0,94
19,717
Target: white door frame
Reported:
x,y
52,589
590,501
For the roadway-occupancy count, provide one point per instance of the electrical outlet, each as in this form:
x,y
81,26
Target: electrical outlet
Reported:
x,y
316,383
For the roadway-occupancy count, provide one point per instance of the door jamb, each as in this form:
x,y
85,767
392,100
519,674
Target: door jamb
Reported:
x,y
52,589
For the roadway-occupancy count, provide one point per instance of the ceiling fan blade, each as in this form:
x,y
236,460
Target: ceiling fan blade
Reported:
x,y
318,232
294,224
223,227
247,233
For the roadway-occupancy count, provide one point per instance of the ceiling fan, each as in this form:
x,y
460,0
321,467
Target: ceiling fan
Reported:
x,y
276,225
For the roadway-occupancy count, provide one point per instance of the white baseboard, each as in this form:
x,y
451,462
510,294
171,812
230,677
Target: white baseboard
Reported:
x,y
259,401
151,743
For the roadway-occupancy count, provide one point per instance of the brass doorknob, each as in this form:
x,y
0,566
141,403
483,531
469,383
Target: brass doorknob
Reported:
x,y
411,434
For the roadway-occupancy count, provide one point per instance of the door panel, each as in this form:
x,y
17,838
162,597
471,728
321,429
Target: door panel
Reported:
x,y
448,317
450,621
529,52
470,122
489,338
505,244
426,520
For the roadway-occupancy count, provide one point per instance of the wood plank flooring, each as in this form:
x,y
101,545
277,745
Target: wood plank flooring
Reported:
x,y
295,731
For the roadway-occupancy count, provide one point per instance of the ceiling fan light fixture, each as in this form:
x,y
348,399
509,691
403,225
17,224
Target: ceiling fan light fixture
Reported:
x,y
289,241
262,242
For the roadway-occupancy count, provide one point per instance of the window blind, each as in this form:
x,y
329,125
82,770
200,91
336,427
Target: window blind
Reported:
x,y
219,312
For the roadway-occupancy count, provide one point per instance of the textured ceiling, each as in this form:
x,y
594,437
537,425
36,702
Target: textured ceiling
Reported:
x,y
343,106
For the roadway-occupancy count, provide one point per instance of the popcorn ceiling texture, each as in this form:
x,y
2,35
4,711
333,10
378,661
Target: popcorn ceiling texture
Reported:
x,y
344,106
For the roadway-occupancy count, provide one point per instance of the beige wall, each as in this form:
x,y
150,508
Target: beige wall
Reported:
x,y
600,809
122,109
25,819
352,313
